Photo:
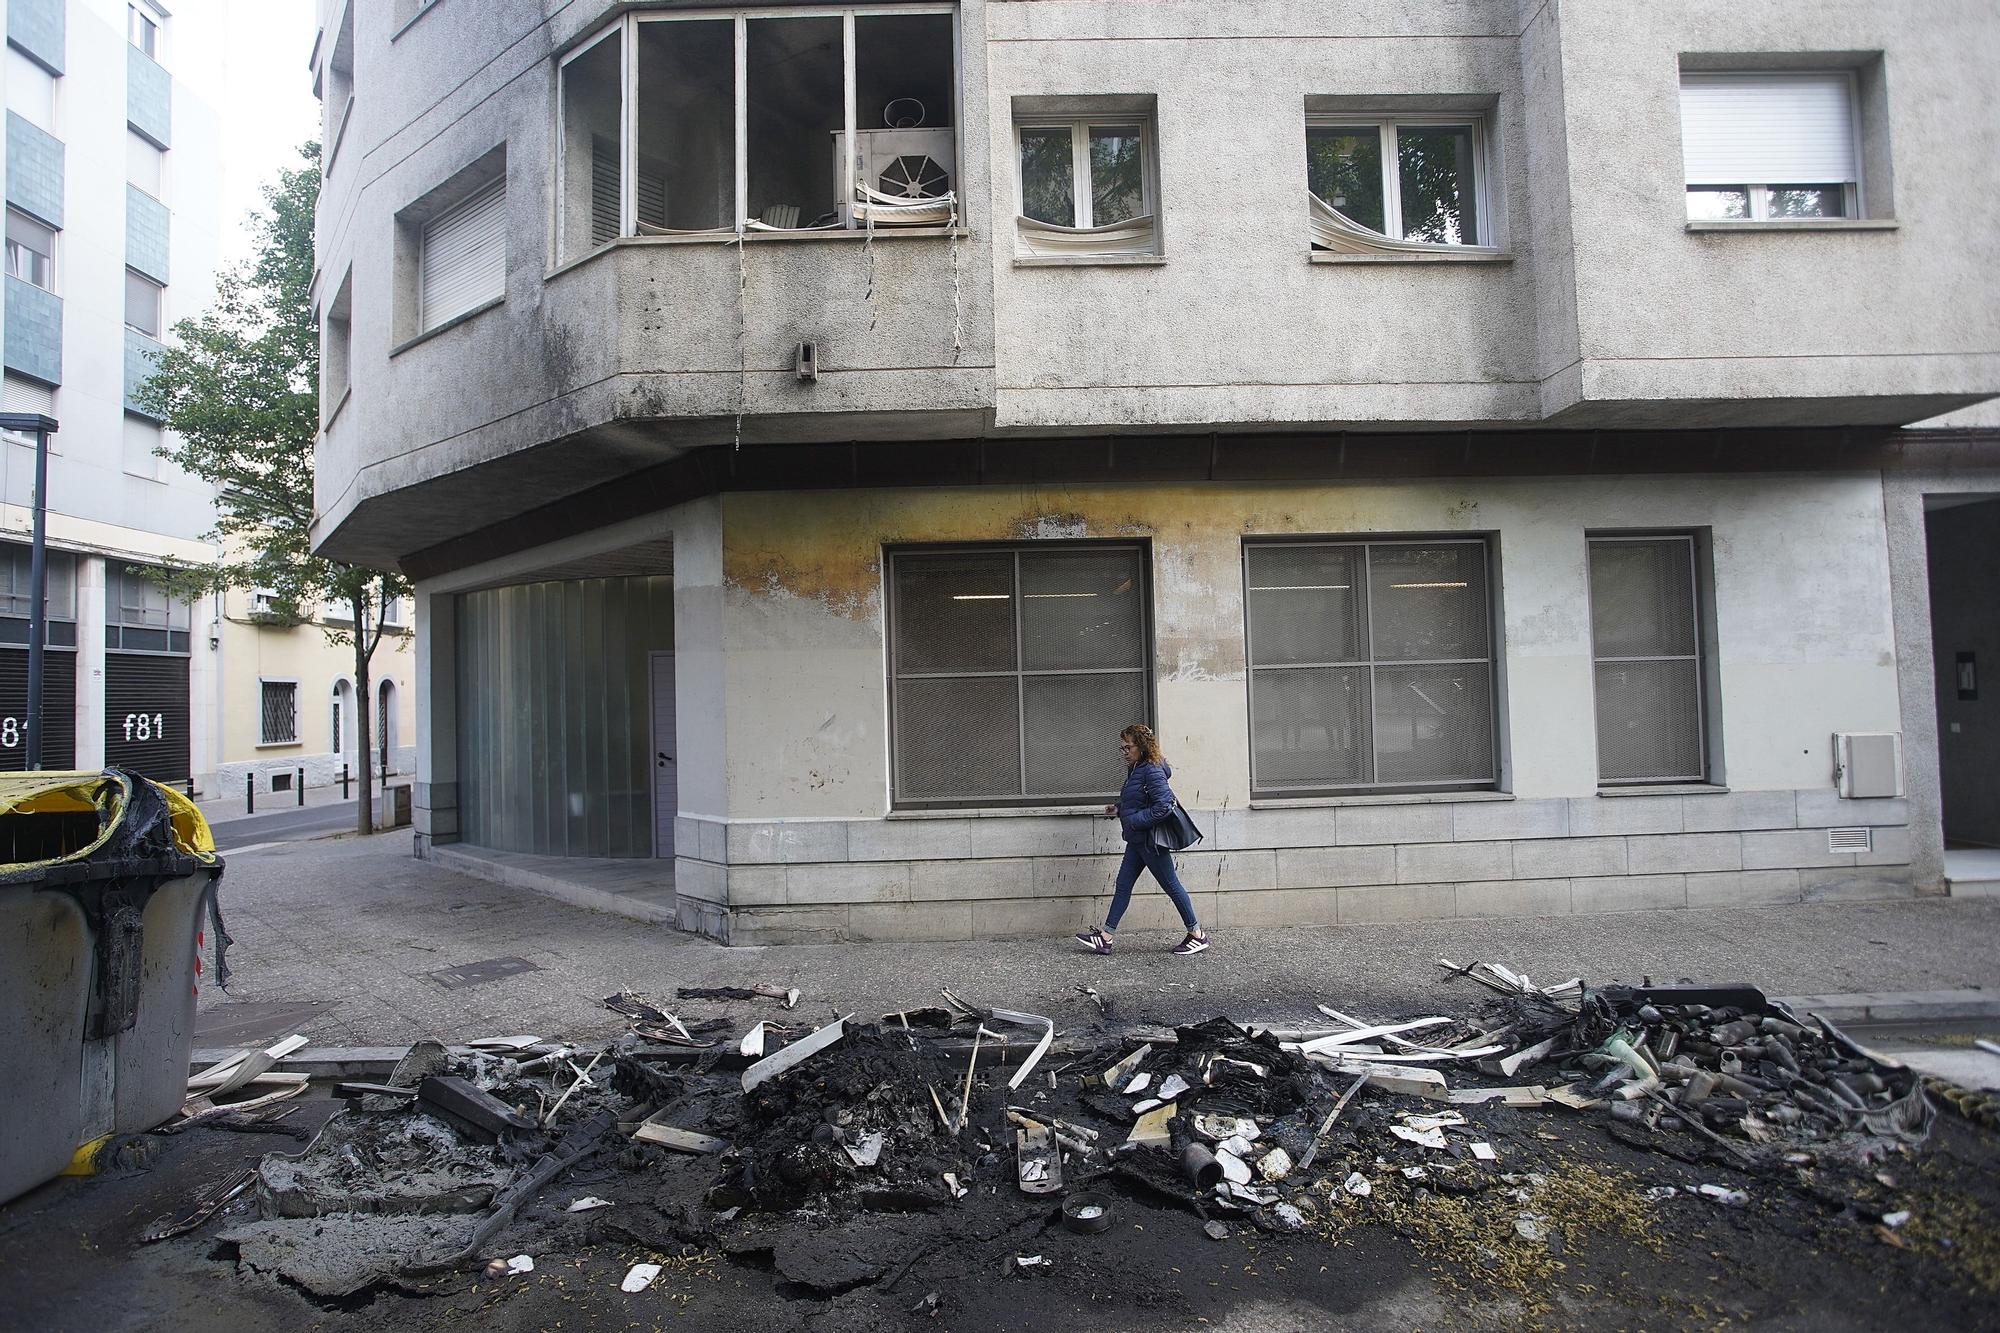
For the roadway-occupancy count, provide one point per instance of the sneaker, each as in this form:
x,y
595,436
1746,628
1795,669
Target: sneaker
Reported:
x,y
1094,940
1192,944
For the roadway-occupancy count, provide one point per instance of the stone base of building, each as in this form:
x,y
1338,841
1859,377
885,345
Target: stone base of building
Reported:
x,y
1001,875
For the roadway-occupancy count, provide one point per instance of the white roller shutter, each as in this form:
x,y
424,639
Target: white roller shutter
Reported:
x,y
465,257
1768,129
21,394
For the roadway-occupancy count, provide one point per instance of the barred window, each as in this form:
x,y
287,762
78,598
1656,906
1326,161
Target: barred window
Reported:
x,y
279,711
1645,634
1011,670
1371,665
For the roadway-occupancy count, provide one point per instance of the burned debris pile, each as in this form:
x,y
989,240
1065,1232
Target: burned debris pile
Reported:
x,y
845,1151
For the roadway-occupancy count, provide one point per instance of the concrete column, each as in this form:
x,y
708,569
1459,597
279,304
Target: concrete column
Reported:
x,y
434,809
700,689
90,662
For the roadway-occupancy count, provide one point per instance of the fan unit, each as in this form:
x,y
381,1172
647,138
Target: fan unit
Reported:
x,y
913,164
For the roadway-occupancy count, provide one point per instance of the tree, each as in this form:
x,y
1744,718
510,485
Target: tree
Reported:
x,y
239,387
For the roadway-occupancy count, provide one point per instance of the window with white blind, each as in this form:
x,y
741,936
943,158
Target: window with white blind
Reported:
x,y
1371,665
31,90
1646,651
1012,668
21,394
462,263
1763,147
278,712
145,164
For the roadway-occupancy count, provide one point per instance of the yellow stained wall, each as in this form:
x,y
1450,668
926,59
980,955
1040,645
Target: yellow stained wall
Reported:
x,y
1804,637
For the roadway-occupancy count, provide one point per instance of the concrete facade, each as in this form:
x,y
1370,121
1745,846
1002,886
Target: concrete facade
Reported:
x,y
1602,365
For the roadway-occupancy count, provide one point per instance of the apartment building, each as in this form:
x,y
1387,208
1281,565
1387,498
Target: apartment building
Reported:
x,y
110,170
1522,456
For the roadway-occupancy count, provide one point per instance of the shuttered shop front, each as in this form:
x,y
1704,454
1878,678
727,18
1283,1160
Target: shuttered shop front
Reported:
x,y
146,715
58,709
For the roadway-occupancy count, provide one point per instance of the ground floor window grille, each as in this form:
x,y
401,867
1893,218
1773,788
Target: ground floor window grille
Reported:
x,y
1645,633
1371,665
1011,670
280,711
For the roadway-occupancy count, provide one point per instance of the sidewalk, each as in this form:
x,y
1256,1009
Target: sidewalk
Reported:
x,y
385,947
229,805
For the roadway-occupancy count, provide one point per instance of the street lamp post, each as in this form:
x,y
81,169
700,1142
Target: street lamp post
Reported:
x,y
24,423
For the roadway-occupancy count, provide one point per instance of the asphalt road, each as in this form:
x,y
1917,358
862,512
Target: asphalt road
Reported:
x,y
293,824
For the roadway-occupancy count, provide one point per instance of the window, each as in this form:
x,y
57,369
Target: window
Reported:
x,y
337,348
1087,186
834,120
463,263
143,300
1012,667
279,712
21,394
17,595
139,616
1770,146
1401,183
31,251
338,87
142,28
1646,650
31,90
392,612
1371,665
143,438
145,164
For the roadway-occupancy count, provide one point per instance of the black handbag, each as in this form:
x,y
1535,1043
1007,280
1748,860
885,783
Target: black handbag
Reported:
x,y
1177,832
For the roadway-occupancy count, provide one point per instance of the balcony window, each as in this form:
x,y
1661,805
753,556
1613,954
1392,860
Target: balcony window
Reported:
x,y
1770,147
31,251
833,121
1403,184
1088,187
142,28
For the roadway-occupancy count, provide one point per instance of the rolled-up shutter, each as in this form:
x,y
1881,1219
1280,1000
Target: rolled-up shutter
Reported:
x,y
464,261
1768,129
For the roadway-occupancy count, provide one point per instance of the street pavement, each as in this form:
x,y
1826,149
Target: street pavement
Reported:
x,y
353,942
287,824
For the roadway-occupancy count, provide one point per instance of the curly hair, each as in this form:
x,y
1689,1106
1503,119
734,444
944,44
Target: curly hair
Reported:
x,y
1142,736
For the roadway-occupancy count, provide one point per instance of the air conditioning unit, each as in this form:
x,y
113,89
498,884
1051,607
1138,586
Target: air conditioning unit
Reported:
x,y
912,164
1868,763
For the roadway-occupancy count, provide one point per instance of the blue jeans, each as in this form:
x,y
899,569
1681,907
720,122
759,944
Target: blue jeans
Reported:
x,y
1161,862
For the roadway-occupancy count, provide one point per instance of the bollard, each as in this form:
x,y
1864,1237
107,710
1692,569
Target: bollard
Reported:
x,y
301,782
249,793
343,782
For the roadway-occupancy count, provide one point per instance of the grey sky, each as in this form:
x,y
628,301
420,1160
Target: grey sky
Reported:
x,y
265,98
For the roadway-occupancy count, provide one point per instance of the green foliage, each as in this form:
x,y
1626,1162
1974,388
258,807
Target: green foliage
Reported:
x,y
239,386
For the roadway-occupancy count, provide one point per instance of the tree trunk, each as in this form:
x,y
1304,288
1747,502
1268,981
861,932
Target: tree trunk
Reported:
x,y
364,708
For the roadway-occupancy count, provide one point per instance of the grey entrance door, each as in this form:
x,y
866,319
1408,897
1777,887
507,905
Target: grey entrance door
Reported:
x,y
666,782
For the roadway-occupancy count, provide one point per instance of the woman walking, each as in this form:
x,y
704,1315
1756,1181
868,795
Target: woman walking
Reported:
x,y
1145,803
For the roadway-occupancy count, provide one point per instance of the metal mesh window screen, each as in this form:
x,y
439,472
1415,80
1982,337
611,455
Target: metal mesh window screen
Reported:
x,y
1011,669
1646,646
280,711
1370,665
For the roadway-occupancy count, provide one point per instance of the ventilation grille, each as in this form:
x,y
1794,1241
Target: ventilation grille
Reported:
x,y
1849,840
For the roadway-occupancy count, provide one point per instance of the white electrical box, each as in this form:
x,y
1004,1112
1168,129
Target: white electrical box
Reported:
x,y
1868,763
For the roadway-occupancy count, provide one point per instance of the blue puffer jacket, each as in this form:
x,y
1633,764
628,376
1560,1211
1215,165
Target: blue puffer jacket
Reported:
x,y
1145,799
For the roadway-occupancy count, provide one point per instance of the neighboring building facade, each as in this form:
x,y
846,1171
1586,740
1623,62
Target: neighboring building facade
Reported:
x,y
1479,436
111,175
289,712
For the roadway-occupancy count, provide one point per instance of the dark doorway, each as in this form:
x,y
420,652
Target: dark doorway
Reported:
x,y
1962,534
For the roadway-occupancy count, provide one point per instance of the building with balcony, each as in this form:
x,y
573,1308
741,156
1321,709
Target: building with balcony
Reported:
x,y
1521,457
110,168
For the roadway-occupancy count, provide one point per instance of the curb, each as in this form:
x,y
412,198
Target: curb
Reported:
x,y
1898,1006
